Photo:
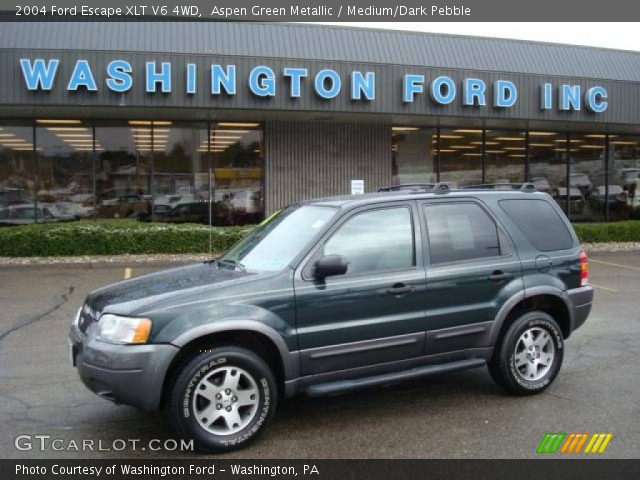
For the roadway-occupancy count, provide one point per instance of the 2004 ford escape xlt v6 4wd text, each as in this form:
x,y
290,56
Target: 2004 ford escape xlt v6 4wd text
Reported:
x,y
338,294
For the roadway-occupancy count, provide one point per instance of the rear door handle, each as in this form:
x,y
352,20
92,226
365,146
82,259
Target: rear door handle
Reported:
x,y
400,289
498,276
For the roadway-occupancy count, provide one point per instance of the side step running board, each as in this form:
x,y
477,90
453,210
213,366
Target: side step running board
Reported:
x,y
342,386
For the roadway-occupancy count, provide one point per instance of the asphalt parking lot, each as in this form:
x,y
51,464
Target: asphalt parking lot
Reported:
x,y
462,415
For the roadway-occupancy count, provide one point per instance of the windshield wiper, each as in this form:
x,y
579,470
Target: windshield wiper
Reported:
x,y
234,263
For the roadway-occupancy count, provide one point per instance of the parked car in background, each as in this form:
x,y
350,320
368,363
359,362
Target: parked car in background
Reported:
x,y
76,210
113,195
14,196
173,200
541,184
127,206
245,205
619,208
160,209
581,182
198,212
629,176
576,202
25,214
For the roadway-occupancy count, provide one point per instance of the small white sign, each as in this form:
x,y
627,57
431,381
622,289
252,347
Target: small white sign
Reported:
x,y
357,187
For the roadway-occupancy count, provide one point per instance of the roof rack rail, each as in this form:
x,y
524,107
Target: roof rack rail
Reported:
x,y
442,187
412,187
523,187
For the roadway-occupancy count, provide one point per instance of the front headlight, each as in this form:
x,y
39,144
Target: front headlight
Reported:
x,y
117,329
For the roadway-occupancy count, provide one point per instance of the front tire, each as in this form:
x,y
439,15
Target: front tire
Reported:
x,y
223,399
529,355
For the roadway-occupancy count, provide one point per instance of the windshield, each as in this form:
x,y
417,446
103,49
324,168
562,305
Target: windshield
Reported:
x,y
276,242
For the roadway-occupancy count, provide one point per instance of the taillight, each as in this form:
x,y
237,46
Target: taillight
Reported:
x,y
584,269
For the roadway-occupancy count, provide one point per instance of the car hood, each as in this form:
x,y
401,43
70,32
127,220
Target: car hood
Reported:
x,y
128,296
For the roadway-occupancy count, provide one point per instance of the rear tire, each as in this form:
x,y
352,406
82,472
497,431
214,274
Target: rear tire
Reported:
x,y
223,399
529,355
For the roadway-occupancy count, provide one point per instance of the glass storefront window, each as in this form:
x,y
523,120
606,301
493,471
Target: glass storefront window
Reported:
x,y
17,171
65,167
412,155
238,172
180,174
587,185
505,153
624,177
123,170
548,163
164,171
184,172
460,153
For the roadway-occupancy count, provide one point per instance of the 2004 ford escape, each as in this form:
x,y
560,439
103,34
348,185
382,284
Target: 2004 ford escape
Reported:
x,y
338,294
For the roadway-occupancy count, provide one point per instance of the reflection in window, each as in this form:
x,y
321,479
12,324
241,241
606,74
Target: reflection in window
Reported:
x,y
548,153
238,170
461,156
375,241
164,171
123,170
17,168
180,177
505,153
461,231
586,178
65,168
412,155
624,177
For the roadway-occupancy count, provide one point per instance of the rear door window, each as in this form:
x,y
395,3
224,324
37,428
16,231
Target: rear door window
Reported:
x,y
539,222
460,231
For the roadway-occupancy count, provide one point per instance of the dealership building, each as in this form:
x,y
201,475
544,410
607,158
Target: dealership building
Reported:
x,y
105,120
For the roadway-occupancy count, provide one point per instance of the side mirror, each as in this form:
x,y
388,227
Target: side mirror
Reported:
x,y
331,265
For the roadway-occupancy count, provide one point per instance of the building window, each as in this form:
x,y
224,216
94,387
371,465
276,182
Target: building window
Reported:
x,y
412,155
123,170
587,178
548,157
65,167
460,156
624,177
17,172
180,174
238,171
505,153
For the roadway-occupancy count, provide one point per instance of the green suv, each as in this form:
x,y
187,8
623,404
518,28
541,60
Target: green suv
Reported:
x,y
338,294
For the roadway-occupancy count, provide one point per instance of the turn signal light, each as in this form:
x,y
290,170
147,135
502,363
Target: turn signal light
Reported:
x,y
584,269
142,331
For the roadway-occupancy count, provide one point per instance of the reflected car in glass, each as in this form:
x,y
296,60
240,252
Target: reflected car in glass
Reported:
x,y
25,214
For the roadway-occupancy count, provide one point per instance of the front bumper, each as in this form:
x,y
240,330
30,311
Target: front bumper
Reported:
x,y
581,299
129,374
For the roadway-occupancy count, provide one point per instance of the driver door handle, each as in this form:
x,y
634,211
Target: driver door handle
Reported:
x,y
400,289
499,275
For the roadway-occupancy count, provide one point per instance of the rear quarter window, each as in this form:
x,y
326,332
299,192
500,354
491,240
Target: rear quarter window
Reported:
x,y
539,222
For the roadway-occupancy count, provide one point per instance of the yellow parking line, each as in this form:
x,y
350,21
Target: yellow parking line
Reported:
x,y
603,288
614,264
127,273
